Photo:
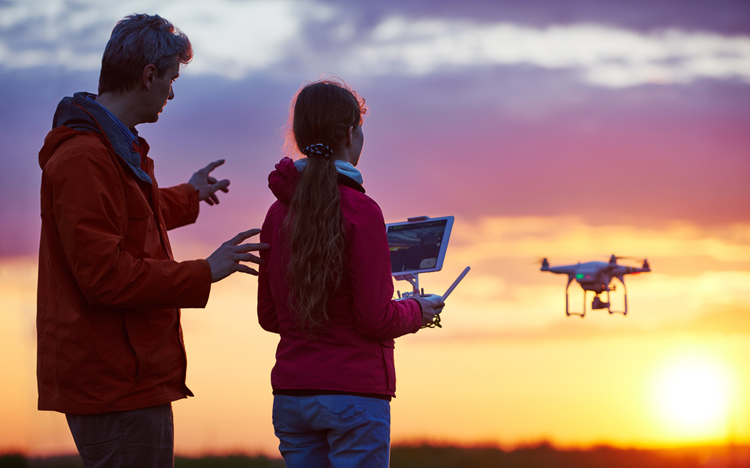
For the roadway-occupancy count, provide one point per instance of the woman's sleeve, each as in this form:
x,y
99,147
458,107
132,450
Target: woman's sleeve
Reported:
x,y
369,272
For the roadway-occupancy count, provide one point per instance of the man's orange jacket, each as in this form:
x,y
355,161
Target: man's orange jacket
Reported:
x,y
109,291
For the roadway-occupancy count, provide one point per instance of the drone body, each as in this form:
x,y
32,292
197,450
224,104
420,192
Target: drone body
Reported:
x,y
596,277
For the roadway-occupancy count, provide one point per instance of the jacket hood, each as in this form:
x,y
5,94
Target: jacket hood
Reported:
x,y
283,181
52,141
80,114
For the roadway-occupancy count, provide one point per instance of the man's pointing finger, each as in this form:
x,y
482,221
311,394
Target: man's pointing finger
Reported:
x,y
213,165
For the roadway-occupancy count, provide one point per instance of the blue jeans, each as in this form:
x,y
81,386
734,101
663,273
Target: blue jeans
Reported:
x,y
142,438
338,431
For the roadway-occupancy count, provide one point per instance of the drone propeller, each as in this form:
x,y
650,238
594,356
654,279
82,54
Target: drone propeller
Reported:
x,y
623,257
628,258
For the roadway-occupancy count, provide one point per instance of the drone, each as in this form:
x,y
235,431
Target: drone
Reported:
x,y
596,277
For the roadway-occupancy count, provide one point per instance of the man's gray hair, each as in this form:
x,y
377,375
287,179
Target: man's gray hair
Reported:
x,y
137,41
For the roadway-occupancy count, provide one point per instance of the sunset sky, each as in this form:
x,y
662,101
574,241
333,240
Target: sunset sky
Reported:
x,y
566,129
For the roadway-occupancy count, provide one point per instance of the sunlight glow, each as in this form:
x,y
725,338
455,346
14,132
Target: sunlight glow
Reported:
x,y
693,396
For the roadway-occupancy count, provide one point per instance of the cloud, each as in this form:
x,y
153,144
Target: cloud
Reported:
x,y
726,319
43,33
505,296
568,239
239,39
710,320
231,39
605,56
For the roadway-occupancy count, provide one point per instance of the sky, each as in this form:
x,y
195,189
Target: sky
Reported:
x,y
566,129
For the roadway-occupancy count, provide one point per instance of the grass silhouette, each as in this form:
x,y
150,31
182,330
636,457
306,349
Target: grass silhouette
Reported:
x,y
542,455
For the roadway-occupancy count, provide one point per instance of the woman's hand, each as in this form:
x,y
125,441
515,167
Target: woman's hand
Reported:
x,y
431,305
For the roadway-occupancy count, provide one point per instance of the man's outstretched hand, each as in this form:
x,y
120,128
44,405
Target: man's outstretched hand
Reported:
x,y
226,260
206,185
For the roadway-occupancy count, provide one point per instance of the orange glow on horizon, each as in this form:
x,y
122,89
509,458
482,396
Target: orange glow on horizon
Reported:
x,y
507,368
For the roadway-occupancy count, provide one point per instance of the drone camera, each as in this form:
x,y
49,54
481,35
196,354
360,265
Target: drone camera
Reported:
x,y
599,304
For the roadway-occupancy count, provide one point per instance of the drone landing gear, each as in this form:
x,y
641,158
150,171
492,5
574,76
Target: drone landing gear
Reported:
x,y
568,313
612,287
597,303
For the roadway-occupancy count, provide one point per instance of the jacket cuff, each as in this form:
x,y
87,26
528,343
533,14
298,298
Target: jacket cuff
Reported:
x,y
419,316
197,294
193,202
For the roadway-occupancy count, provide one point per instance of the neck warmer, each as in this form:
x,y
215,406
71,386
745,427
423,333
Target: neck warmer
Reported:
x,y
342,167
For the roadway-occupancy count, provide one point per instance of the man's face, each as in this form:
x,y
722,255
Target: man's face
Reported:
x,y
161,92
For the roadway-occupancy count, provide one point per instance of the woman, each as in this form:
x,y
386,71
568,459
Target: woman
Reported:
x,y
326,288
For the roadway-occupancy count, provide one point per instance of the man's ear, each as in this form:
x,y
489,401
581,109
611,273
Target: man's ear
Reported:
x,y
349,136
148,76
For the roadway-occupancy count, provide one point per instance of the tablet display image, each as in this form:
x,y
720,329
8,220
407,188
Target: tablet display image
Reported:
x,y
418,246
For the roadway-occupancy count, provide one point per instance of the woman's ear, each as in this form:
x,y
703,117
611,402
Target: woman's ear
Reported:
x,y
349,136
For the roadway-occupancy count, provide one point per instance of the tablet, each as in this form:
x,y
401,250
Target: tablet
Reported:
x,y
418,246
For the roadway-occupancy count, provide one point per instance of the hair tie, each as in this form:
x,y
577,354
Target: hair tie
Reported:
x,y
318,148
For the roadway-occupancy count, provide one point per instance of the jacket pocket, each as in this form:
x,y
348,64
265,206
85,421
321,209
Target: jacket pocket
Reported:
x,y
388,346
132,350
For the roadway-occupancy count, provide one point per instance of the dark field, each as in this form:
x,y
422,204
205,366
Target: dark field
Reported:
x,y
424,456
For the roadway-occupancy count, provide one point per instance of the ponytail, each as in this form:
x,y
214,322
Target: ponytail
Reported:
x,y
322,115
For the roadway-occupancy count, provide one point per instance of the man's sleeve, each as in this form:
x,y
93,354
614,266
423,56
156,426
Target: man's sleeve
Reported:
x,y
369,271
267,315
91,215
179,205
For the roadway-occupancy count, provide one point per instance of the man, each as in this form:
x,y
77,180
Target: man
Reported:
x,y
110,349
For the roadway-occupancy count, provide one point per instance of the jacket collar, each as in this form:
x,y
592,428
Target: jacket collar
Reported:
x,y
283,181
81,113
342,167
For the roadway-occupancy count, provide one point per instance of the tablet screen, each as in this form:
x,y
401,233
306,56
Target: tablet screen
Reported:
x,y
420,246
